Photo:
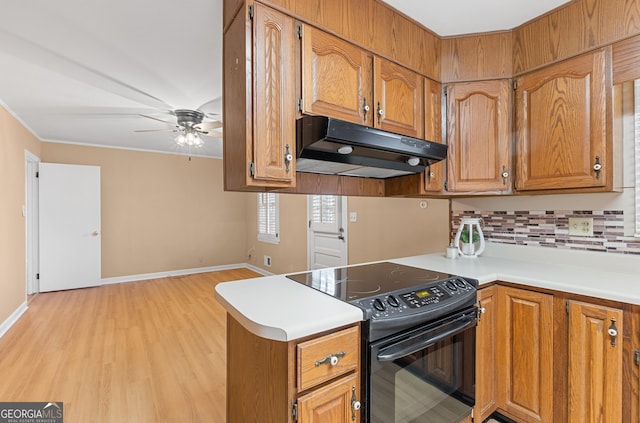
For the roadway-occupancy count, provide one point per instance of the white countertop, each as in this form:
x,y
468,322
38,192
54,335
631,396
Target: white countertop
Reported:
x,y
278,308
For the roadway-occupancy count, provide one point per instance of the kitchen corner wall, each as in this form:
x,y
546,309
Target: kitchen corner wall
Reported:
x,y
543,221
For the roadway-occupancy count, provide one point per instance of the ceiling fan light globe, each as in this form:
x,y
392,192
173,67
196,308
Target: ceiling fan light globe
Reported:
x,y
180,139
191,138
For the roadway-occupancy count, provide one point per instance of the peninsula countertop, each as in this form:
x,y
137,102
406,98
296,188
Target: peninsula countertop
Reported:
x,y
278,308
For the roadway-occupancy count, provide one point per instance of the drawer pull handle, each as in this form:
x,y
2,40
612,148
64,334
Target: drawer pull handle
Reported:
x,y
331,359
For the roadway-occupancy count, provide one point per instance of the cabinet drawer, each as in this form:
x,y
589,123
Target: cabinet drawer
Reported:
x,y
312,370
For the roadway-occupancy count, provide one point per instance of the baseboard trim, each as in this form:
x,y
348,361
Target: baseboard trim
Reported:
x,y
182,272
12,319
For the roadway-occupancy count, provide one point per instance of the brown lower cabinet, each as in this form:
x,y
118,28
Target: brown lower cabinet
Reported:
x,y
525,354
486,390
312,380
550,357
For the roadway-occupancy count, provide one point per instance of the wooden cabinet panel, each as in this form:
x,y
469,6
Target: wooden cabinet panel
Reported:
x,y
478,135
525,351
563,123
398,97
332,403
274,84
486,366
595,363
343,345
259,100
434,175
336,78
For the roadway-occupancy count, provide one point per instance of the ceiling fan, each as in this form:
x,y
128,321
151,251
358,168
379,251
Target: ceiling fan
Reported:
x,y
189,126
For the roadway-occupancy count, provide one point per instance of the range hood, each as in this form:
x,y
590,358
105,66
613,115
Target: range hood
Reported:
x,y
331,146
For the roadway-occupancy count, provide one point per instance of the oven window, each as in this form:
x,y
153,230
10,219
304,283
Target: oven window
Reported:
x,y
433,385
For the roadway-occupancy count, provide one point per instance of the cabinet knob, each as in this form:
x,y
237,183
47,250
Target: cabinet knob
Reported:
x,y
355,404
380,113
613,331
505,175
288,158
597,167
365,109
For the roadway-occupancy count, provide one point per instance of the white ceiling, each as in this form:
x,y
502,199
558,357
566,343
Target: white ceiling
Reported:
x,y
83,71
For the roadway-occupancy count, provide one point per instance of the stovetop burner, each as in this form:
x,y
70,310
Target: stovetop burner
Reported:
x,y
364,281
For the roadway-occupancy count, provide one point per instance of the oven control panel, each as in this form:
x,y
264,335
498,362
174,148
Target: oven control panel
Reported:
x,y
408,302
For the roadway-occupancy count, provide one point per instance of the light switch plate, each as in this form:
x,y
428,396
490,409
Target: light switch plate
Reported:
x,y
581,226
353,217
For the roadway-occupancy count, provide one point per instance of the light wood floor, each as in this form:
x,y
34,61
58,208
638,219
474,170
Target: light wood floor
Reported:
x,y
148,351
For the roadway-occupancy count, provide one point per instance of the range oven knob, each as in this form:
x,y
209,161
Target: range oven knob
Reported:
x,y
378,304
393,301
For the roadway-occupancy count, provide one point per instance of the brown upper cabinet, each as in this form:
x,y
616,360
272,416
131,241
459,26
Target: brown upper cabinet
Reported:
x,y
336,77
563,125
346,82
479,136
259,99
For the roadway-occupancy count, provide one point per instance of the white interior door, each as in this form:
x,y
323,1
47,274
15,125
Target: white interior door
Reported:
x,y
69,226
327,236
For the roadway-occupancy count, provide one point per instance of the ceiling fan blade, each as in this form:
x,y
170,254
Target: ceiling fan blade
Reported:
x,y
41,56
207,126
212,107
154,130
97,112
160,120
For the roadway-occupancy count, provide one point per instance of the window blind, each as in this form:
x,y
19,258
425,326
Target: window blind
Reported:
x,y
324,209
268,217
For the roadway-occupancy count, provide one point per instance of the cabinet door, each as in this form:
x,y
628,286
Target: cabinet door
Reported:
x,y
525,351
336,78
274,91
486,392
433,132
478,135
259,101
595,364
333,403
398,98
563,124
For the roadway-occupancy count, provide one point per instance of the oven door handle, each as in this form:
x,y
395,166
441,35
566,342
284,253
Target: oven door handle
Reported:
x,y
424,340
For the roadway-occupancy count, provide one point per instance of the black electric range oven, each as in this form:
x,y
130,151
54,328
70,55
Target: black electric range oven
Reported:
x,y
418,339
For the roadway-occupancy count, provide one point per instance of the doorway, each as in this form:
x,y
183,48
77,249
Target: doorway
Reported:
x,y
31,214
327,236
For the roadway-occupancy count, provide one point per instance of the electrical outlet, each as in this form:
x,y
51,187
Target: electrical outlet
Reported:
x,y
353,217
581,226
267,261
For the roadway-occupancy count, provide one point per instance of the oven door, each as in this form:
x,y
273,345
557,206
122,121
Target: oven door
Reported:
x,y
424,375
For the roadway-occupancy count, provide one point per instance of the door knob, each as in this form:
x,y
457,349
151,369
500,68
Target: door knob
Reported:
x,y
95,233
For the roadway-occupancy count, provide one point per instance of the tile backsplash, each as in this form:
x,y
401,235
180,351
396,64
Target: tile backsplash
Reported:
x,y
550,228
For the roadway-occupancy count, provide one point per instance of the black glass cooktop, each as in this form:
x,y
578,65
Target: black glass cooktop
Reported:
x,y
368,280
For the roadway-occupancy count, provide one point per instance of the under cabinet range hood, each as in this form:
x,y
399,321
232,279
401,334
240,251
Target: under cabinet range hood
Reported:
x,y
331,146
